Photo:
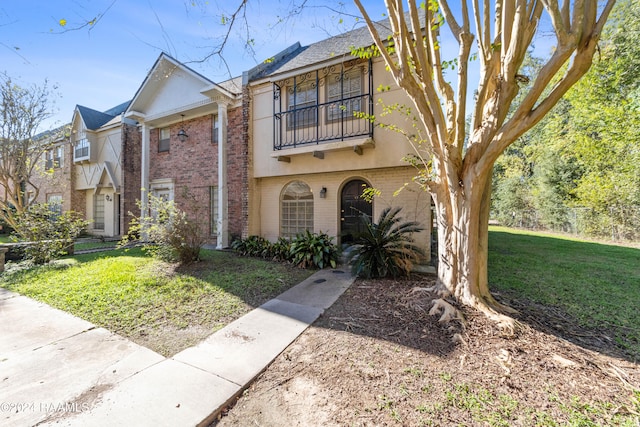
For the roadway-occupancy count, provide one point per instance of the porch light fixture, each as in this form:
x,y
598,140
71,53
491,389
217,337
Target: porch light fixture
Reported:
x,y
323,193
182,135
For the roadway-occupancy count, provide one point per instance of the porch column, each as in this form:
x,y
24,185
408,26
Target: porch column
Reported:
x,y
223,199
144,174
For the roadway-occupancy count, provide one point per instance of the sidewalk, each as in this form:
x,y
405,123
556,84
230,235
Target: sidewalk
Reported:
x,y
56,369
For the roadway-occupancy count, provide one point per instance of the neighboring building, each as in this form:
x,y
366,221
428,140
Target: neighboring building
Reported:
x,y
193,146
104,148
312,158
52,176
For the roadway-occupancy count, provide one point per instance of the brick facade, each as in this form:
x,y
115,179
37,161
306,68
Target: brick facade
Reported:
x,y
192,165
237,171
131,175
56,180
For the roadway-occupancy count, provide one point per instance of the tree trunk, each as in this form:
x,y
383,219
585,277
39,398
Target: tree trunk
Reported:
x,y
463,233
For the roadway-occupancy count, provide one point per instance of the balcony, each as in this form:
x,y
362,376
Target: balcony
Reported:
x,y
81,151
323,123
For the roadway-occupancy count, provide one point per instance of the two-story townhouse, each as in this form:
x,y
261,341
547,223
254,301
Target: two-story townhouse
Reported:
x,y
193,146
105,168
52,176
313,157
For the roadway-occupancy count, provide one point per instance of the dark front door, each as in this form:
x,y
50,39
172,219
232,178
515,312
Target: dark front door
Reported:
x,y
352,208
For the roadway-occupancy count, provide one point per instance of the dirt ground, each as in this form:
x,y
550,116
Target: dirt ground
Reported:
x,y
377,358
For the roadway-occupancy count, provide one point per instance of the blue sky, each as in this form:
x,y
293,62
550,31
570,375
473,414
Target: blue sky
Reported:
x,y
103,65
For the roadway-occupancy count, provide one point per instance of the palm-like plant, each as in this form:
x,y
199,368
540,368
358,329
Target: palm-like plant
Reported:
x,y
386,248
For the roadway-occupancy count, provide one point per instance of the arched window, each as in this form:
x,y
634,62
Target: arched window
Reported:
x,y
296,209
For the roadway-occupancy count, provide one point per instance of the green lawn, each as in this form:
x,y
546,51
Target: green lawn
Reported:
x,y
82,246
596,284
137,296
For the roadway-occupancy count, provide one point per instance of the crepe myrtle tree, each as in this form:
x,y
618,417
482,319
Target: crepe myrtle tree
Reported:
x,y
456,158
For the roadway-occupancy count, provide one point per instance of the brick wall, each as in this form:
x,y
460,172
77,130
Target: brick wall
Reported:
x,y
130,179
237,169
54,181
193,166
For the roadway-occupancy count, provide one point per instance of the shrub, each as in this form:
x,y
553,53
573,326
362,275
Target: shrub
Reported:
x,y
168,233
280,250
313,250
254,246
51,234
386,248
306,250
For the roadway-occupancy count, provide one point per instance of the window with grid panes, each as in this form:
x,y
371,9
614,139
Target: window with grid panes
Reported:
x,y
344,94
55,203
214,132
165,140
98,212
303,101
296,209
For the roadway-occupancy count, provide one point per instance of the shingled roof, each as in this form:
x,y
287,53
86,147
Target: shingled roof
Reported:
x,y
94,119
297,56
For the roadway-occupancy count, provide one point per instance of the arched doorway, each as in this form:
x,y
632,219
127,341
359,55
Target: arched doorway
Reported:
x,y
352,208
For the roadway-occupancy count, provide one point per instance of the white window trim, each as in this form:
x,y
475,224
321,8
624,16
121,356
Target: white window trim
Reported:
x,y
162,184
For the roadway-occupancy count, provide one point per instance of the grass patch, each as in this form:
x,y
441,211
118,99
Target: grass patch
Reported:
x,y
480,406
83,246
4,238
153,302
596,284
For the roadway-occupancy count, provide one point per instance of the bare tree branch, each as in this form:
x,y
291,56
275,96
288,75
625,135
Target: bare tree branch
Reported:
x,y
87,23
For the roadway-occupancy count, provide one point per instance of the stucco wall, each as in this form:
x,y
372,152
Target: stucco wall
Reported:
x,y
380,163
416,204
390,146
106,146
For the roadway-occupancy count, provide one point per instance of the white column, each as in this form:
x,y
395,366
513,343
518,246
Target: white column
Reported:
x,y
144,173
223,199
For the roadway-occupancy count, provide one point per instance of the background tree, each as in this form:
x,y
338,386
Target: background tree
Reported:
x,y
22,112
603,127
584,156
458,164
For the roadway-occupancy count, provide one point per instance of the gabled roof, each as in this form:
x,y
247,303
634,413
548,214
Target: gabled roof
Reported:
x,y
118,109
164,67
94,119
297,56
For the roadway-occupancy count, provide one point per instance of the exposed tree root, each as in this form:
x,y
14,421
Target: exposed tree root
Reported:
x,y
449,312
509,327
499,307
495,311
440,291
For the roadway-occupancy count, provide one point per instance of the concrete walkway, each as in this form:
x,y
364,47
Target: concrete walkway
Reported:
x,y
56,369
